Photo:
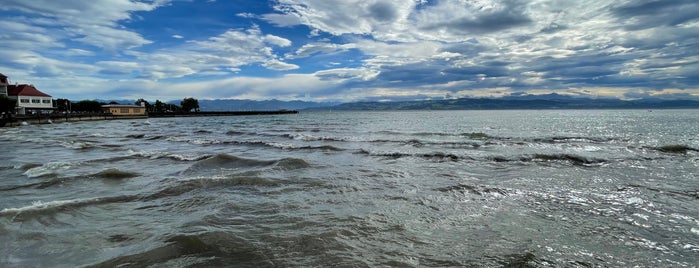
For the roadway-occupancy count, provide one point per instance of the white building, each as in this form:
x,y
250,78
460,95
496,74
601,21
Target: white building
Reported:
x,y
29,99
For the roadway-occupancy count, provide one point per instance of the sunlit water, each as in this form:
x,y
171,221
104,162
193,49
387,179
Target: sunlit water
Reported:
x,y
360,189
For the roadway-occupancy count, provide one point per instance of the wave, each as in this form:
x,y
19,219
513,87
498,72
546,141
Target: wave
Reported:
x,y
248,181
477,135
28,166
675,149
15,187
183,187
157,137
216,163
470,135
113,173
694,194
477,190
286,146
305,137
136,136
569,139
568,158
441,156
47,170
235,133
78,145
168,155
210,249
39,207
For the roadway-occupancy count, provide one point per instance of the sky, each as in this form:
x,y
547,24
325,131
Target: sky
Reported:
x,y
351,50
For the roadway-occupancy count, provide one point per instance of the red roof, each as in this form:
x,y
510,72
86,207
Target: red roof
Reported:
x,y
25,90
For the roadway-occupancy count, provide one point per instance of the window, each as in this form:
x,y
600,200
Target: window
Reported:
x,y
137,110
124,110
24,100
36,101
46,101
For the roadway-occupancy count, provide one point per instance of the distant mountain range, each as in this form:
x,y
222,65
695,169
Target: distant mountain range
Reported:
x,y
253,105
550,101
516,103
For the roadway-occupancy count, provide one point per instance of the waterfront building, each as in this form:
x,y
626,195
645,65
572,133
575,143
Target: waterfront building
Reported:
x,y
121,109
29,99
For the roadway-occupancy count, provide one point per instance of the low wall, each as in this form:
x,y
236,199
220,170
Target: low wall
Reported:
x,y
51,119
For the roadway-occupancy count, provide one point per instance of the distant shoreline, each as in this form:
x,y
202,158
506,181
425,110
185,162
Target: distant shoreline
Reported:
x,y
227,113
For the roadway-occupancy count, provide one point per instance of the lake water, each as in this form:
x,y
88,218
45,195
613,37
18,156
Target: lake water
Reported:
x,y
355,189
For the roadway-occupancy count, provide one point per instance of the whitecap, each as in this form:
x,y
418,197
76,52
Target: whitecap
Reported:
x,y
47,169
634,200
40,206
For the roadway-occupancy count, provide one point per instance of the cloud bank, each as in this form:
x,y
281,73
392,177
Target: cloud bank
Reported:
x,y
353,50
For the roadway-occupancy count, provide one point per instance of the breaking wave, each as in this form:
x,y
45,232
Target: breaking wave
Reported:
x,y
48,169
40,207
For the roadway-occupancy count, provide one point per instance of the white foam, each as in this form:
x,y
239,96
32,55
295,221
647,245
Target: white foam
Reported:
x,y
47,168
40,205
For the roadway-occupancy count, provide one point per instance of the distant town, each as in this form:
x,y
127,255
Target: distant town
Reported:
x,y
25,104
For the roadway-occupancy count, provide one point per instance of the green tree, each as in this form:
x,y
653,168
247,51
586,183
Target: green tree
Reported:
x,y
159,106
61,104
188,104
145,103
87,106
7,105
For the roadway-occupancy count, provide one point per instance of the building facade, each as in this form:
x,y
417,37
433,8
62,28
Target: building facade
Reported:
x,y
120,109
29,99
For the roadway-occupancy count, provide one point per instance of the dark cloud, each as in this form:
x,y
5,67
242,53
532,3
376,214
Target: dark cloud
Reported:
x,y
510,16
650,14
383,11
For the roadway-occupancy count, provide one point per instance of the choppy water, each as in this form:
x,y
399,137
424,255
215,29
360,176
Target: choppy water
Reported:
x,y
358,189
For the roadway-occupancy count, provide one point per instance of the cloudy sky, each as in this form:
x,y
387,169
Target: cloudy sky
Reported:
x,y
349,50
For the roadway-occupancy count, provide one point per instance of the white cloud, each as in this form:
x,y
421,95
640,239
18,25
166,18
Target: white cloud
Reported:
x,y
377,17
277,41
279,65
92,22
324,48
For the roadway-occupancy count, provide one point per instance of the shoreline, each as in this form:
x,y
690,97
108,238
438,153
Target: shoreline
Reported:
x,y
53,119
